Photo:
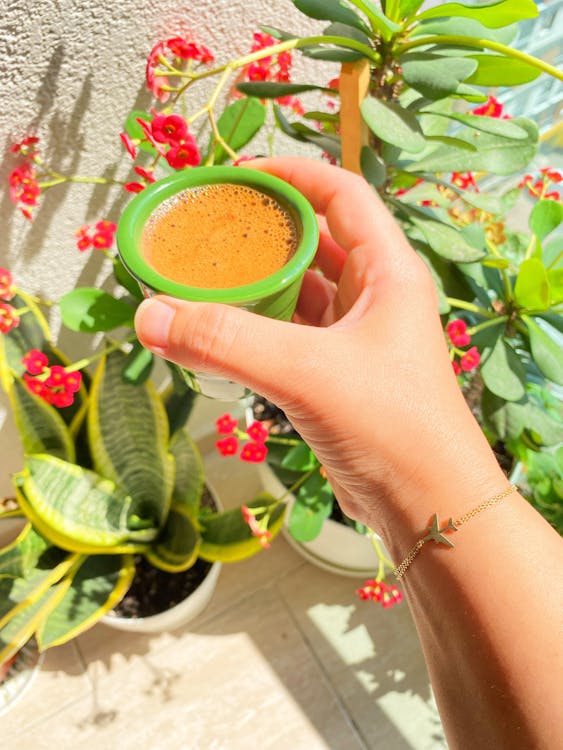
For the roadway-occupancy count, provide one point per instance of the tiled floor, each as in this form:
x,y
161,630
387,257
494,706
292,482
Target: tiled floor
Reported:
x,y
285,657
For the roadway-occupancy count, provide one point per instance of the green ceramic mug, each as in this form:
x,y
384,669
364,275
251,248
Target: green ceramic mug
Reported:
x,y
274,296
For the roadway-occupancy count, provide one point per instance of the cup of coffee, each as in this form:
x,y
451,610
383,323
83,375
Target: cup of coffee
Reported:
x,y
220,234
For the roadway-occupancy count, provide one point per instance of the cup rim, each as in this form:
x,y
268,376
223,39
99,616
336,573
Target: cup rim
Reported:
x,y
137,212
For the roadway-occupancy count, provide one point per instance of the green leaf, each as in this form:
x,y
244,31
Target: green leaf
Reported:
x,y
300,132
498,70
77,509
124,278
89,310
484,124
238,125
436,77
128,435
452,142
273,90
41,428
189,478
503,372
393,124
138,364
20,628
135,131
546,344
545,217
313,505
447,241
95,588
495,154
408,7
178,399
31,333
507,419
548,429
19,558
457,26
492,14
226,537
555,279
178,544
531,290
339,29
331,10
378,20
300,458
373,167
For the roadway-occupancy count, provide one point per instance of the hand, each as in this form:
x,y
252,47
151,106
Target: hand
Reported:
x,y
365,378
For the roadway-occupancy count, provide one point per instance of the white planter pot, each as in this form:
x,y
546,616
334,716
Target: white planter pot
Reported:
x,y
181,613
338,548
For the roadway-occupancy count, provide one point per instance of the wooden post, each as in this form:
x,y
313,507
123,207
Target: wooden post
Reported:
x,y
354,133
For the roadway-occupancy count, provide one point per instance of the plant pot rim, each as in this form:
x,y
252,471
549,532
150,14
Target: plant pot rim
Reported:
x,y
181,613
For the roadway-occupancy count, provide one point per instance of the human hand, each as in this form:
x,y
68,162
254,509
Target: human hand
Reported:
x,y
365,378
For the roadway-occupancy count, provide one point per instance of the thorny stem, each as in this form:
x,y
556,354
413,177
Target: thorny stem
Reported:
x,y
503,272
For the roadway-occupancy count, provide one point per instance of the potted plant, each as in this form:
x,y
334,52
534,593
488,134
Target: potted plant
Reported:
x,y
111,482
411,109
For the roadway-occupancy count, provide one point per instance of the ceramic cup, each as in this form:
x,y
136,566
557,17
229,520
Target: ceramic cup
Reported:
x,y
274,296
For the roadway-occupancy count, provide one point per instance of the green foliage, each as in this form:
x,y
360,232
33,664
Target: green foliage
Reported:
x,y
492,14
90,310
238,124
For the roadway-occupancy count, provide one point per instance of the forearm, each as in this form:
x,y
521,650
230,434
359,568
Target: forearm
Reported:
x,y
489,614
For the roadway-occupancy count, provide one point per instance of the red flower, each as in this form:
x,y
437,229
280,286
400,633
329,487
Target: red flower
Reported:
x,y
26,147
254,452
470,359
242,159
552,174
169,129
184,154
35,362
146,174
7,288
73,381
83,240
491,108
258,71
257,432
456,367
134,187
255,527
9,318
457,331
464,180
156,83
227,446
102,240
226,424
24,187
129,145
379,591
183,48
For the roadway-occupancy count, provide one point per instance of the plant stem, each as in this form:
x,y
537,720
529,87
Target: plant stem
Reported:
x,y
82,363
295,486
531,247
465,41
555,261
487,324
463,305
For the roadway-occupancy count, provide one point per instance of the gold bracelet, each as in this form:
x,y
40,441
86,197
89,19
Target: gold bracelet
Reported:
x,y
436,534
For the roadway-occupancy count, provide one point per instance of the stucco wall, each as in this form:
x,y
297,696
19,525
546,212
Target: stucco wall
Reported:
x,y
70,72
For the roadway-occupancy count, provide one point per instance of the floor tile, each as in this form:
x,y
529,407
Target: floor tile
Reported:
x,y
60,681
245,678
371,656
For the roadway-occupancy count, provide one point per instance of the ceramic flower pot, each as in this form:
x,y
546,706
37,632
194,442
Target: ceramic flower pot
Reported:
x,y
179,614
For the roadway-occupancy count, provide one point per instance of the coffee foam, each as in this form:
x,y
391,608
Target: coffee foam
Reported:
x,y
219,236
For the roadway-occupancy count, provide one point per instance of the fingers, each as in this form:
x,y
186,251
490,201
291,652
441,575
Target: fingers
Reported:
x,y
315,299
232,343
330,257
354,213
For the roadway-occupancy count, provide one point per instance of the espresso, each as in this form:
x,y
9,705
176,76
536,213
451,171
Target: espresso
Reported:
x,y
219,236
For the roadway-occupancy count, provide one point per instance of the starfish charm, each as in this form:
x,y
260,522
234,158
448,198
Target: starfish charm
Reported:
x,y
436,534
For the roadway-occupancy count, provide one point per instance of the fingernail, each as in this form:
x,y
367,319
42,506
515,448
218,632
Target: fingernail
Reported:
x,y
153,320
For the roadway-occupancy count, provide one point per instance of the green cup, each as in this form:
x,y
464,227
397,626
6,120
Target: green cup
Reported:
x,y
274,296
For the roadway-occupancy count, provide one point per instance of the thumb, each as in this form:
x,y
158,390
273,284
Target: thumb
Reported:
x,y
268,356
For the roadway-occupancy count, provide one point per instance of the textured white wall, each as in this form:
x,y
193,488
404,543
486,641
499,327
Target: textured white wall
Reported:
x,y
70,71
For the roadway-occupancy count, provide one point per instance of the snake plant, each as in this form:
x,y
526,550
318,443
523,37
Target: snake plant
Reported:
x,y
110,476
